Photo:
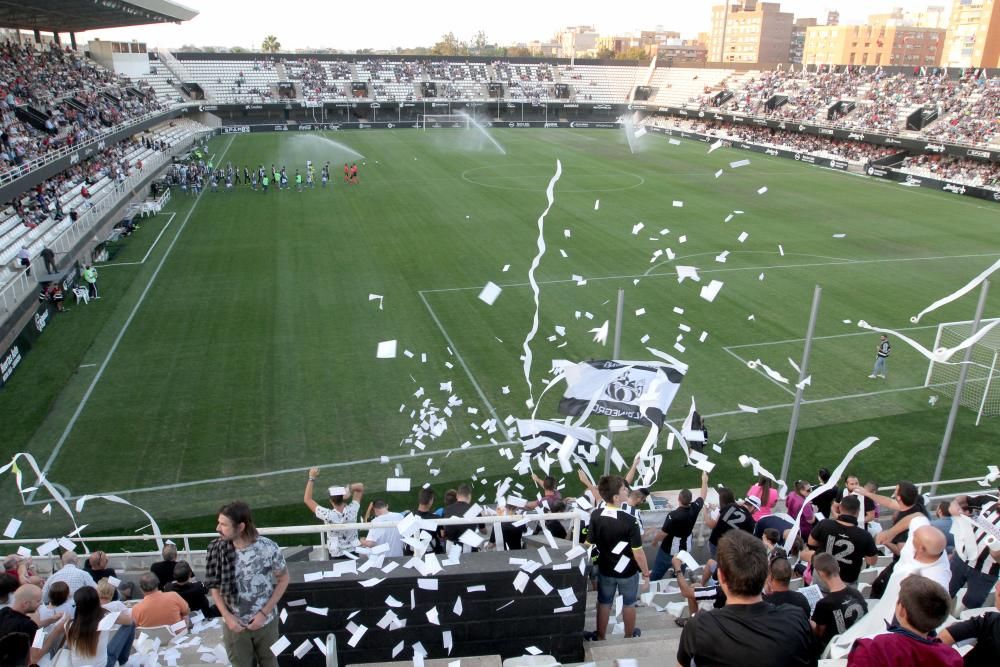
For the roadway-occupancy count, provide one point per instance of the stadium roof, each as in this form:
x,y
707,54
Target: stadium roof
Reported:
x,y
83,15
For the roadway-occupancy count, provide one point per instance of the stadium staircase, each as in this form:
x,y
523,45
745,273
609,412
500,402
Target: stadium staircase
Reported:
x,y
174,66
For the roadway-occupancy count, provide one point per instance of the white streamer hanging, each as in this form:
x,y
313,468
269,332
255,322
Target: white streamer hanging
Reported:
x,y
830,483
56,496
121,501
940,355
550,195
957,294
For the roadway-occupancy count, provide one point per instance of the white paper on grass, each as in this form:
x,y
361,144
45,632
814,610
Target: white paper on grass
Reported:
x,y
386,350
738,164
678,204
397,484
640,311
711,290
490,293
597,204
718,173
839,236
762,190
743,237
747,408
637,227
376,297
687,272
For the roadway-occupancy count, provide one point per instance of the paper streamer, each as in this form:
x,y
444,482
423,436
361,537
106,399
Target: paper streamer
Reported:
x,y
771,373
121,501
550,196
992,475
830,483
940,355
958,294
56,496
761,471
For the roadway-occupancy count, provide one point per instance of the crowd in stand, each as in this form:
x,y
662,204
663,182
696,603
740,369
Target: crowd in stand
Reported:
x,y
78,99
968,108
958,170
851,151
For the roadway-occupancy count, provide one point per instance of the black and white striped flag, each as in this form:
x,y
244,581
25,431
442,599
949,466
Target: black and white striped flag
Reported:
x,y
640,391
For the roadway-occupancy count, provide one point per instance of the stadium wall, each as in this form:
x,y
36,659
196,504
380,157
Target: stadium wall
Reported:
x,y
496,619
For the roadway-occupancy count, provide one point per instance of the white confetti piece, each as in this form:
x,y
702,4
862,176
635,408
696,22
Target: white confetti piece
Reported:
x,y
490,293
674,142
12,527
601,333
563,253
718,173
386,350
781,251
760,277
637,227
762,190
747,408
681,239
721,257
687,272
506,268
715,146
738,164
597,204
678,204
839,236
743,237
703,337
280,645
711,290
640,311
376,297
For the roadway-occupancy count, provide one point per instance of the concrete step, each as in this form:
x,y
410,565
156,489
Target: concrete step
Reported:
x,y
661,649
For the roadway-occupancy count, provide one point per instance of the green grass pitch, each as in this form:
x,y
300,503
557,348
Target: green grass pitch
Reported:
x,y
242,350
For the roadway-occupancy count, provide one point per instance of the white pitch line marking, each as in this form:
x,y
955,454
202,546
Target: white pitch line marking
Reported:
x,y
118,339
461,360
146,256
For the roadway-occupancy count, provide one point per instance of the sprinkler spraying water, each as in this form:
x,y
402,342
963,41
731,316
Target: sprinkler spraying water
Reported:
x,y
482,130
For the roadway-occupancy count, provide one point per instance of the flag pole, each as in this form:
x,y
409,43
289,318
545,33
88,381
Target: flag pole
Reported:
x,y
963,371
617,352
803,374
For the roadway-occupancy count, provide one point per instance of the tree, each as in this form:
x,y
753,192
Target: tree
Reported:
x,y
518,52
191,48
480,43
237,49
605,54
633,53
270,44
449,45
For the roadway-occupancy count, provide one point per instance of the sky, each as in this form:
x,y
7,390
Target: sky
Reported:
x,y
390,23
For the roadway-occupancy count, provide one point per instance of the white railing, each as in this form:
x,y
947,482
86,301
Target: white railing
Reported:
x,y
183,540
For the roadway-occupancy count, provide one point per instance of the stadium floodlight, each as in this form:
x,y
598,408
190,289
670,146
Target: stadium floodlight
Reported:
x,y
445,120
982,384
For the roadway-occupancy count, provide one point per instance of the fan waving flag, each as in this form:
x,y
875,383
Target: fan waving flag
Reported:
x,y
640,391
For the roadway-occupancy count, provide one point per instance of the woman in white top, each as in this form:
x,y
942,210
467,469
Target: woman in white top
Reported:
x,y
94,637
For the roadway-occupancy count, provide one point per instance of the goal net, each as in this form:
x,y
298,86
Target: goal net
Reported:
x,y
444,120
981,392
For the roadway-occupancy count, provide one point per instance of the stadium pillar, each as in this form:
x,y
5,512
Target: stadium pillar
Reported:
x,y
617,352
55,38
803,374
72,40
957,400
38,37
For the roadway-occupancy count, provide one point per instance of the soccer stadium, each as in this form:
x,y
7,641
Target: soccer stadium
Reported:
x,y
706,342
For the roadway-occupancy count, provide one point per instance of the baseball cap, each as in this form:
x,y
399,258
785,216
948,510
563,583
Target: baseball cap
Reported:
x,y
753,501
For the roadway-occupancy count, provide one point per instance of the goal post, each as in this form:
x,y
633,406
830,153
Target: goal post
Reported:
x,y
445,120
981,392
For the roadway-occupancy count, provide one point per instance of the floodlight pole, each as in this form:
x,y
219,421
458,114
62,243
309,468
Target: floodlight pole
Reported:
x,y
617,351
957,400
803,374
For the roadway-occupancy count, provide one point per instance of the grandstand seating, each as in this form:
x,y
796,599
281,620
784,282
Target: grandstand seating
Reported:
x,y
681,86
604,84
235,81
